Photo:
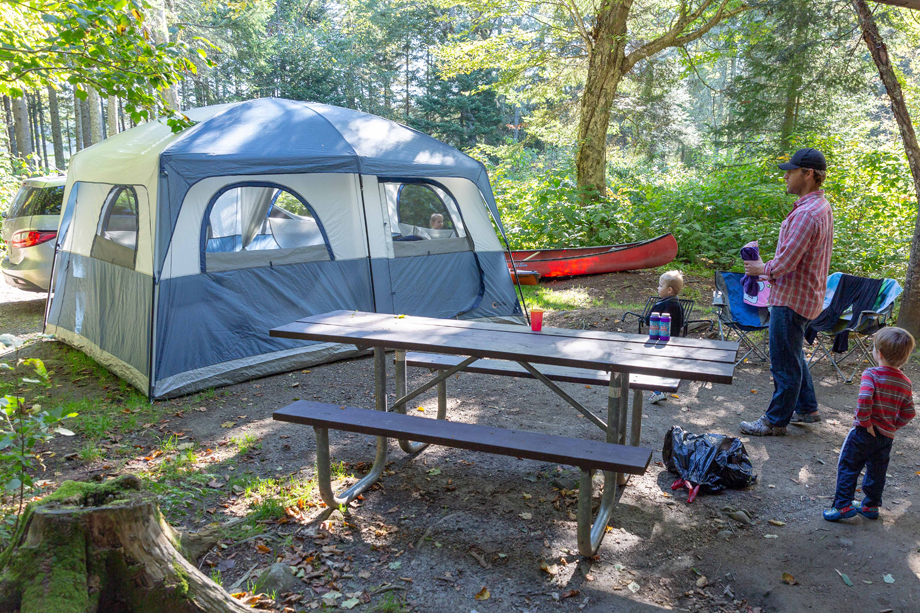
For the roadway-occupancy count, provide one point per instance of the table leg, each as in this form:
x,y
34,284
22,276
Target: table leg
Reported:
x,y
623,401
636,425
613,413
401,389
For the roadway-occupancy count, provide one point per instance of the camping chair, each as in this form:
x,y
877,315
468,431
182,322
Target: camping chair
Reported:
x,y
856,326
734,315
686,306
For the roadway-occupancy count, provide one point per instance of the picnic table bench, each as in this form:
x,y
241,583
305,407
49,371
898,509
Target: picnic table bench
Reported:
x,y
589,456
620,355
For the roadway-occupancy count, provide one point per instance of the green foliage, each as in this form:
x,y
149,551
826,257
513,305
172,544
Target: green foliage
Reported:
x,y
24,427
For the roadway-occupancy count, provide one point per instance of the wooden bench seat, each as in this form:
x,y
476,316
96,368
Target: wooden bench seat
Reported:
x,y
587,455
554,373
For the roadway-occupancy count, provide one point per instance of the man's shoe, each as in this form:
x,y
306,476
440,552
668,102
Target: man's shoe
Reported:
x,y
761,427
867,512
837,514
806,418
657,397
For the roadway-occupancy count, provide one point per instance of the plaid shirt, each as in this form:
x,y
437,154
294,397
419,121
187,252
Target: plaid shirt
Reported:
x,y
885,400
798,271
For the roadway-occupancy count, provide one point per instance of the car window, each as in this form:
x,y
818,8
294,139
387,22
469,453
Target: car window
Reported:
x,y
118,222
37,201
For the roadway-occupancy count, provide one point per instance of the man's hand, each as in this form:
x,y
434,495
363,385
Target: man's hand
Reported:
x,y
754,268
871,430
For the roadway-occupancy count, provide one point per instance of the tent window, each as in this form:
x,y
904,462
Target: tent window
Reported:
x,y
118,222
419,211
116,233
270,222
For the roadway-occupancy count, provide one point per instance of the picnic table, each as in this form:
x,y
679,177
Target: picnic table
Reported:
x,y
619,354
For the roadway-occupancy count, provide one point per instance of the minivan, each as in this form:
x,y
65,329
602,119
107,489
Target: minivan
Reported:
x,y
29,229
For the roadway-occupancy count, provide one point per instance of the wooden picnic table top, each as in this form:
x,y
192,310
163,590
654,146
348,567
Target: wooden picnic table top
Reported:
x,y
691,359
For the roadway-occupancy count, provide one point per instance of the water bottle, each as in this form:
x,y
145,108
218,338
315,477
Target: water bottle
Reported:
x,y
654,323
664,327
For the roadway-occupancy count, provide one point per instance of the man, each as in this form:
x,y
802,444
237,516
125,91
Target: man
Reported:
x,y
798,273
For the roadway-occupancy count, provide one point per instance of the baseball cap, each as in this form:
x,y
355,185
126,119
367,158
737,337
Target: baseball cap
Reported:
x,y
805,158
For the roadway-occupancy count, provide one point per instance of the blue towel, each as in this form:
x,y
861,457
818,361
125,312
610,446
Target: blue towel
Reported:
x,y
750,252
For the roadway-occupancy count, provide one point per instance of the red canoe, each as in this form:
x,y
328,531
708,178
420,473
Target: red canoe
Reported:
x,y
597,260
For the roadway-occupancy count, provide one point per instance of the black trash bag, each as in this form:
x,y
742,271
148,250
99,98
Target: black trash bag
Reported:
x,y
711,461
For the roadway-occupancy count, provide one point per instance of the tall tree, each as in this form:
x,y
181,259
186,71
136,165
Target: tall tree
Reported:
x,y
55,112
23,130
909,317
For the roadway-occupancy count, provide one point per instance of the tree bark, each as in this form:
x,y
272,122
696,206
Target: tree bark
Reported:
x,y
111,115
78,121
95,115
42,143
56,134
23,130
608,62
103,547
86,126
10,127
909,317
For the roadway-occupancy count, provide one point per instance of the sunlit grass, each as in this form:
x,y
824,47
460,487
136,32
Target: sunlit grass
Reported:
x,y
558,299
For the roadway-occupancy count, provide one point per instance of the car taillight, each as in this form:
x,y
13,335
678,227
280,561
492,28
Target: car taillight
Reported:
x,y
30,238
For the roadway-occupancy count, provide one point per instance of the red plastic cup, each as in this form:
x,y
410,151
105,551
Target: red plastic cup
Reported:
x,y
536,319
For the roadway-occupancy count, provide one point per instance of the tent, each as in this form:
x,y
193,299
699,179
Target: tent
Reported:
x,y
177,253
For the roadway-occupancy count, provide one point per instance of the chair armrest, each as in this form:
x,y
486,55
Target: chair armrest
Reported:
x,y
636,315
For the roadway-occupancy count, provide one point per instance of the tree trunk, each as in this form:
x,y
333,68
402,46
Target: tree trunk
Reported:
x,y
41,127
23,131
56,134
95,115
111,115
10,128
606,62
103,547
78,121
909,317
85,110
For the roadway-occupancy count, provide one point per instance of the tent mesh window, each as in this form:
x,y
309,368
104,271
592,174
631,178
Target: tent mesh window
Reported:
x,y
422,212
116,233
261,218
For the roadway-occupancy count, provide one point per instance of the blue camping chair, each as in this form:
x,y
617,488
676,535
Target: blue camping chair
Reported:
x,y
859,327
738,317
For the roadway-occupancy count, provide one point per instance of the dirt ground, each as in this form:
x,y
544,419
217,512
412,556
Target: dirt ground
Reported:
x,y
445,525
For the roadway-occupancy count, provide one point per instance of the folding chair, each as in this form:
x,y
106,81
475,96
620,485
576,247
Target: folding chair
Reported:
x,y
734,315
686,306
859,326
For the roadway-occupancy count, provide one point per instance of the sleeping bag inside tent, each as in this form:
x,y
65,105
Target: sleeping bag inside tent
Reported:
x,y
177,253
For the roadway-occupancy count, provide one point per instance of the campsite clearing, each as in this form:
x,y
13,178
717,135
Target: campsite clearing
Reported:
x,y
449,523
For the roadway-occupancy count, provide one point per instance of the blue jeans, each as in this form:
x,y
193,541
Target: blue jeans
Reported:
x,y
861,449
792,384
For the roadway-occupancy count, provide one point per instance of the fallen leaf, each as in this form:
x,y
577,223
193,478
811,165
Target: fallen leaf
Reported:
x,y
551,569
394,565
589,577
776,522
702,582
887,578
527,496
845,578
421,409
787,578
674,396
570,593
525,516
349,604
633,587
201,410
770,536
753,391
332,595
228,424
434,471
263,549
364,574
483,594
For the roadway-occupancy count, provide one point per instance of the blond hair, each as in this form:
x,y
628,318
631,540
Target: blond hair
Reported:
x,y
895,345
820,176
673,279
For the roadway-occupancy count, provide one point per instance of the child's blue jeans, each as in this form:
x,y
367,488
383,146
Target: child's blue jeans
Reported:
x,y
861,449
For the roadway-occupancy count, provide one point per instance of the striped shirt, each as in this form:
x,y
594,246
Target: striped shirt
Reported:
x,y
885,400
798,271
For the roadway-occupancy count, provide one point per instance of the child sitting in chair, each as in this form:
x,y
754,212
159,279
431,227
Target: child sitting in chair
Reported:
x,y
669,286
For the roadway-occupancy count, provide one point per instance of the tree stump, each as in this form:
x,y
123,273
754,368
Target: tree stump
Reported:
x,y
103,547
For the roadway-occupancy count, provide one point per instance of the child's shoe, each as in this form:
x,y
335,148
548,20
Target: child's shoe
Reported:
x,y
837,514
867,512
657,397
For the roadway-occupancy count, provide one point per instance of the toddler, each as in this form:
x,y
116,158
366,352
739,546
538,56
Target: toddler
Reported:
x,y
885,404
669,286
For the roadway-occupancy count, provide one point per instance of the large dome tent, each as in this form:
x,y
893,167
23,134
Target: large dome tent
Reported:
x,y
177,253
